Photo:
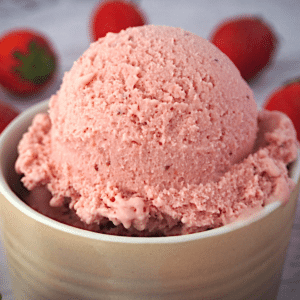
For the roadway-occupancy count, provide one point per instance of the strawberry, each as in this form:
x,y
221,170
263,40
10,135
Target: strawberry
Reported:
x,y
113,16
7,114
27,62
248,41
287,100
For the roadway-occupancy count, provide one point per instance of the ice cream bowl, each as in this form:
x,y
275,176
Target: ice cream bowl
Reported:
x,y
50,260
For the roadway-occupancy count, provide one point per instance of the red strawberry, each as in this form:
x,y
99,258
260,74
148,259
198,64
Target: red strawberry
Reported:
x,y
27,62
287,99
248,41
113,16
7,114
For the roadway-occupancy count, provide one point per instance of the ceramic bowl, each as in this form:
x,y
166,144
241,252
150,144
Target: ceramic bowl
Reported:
x,y
50,260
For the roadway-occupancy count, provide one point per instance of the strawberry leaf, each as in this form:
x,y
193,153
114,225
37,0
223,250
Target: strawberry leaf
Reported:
x,y
36,65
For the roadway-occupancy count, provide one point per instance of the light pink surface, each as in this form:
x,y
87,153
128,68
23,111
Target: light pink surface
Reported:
x,y
151,131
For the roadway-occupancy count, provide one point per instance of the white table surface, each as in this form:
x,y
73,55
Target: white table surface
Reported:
x,y
65,22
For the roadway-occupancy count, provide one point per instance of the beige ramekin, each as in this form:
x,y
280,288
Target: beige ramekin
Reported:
x,y
50,260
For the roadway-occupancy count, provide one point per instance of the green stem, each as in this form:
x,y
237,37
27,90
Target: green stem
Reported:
x,y
36,65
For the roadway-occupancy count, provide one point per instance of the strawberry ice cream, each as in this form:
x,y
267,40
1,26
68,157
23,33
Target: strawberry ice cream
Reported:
x,y
154,132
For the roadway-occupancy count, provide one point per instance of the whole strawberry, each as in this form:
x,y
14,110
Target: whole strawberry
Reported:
x,y
287,100
113,16
7,114
27,62
248,41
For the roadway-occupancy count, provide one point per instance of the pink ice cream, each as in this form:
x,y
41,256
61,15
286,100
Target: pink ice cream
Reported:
x,y
154,132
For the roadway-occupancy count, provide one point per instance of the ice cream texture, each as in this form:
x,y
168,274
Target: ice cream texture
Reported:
x,y
154,132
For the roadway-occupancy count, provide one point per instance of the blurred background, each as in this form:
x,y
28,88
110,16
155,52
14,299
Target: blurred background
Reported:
x,y
66,24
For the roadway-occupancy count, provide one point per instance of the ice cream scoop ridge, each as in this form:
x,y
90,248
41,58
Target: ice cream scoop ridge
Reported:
x,y
155,131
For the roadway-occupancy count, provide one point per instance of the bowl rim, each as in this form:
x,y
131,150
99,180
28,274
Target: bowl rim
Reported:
x,y
10,196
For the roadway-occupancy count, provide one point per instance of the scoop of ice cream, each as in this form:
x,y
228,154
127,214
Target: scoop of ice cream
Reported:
x,y
141,118
244,190
154,106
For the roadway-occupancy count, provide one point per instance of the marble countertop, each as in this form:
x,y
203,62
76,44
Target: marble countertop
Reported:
x,y
65,22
